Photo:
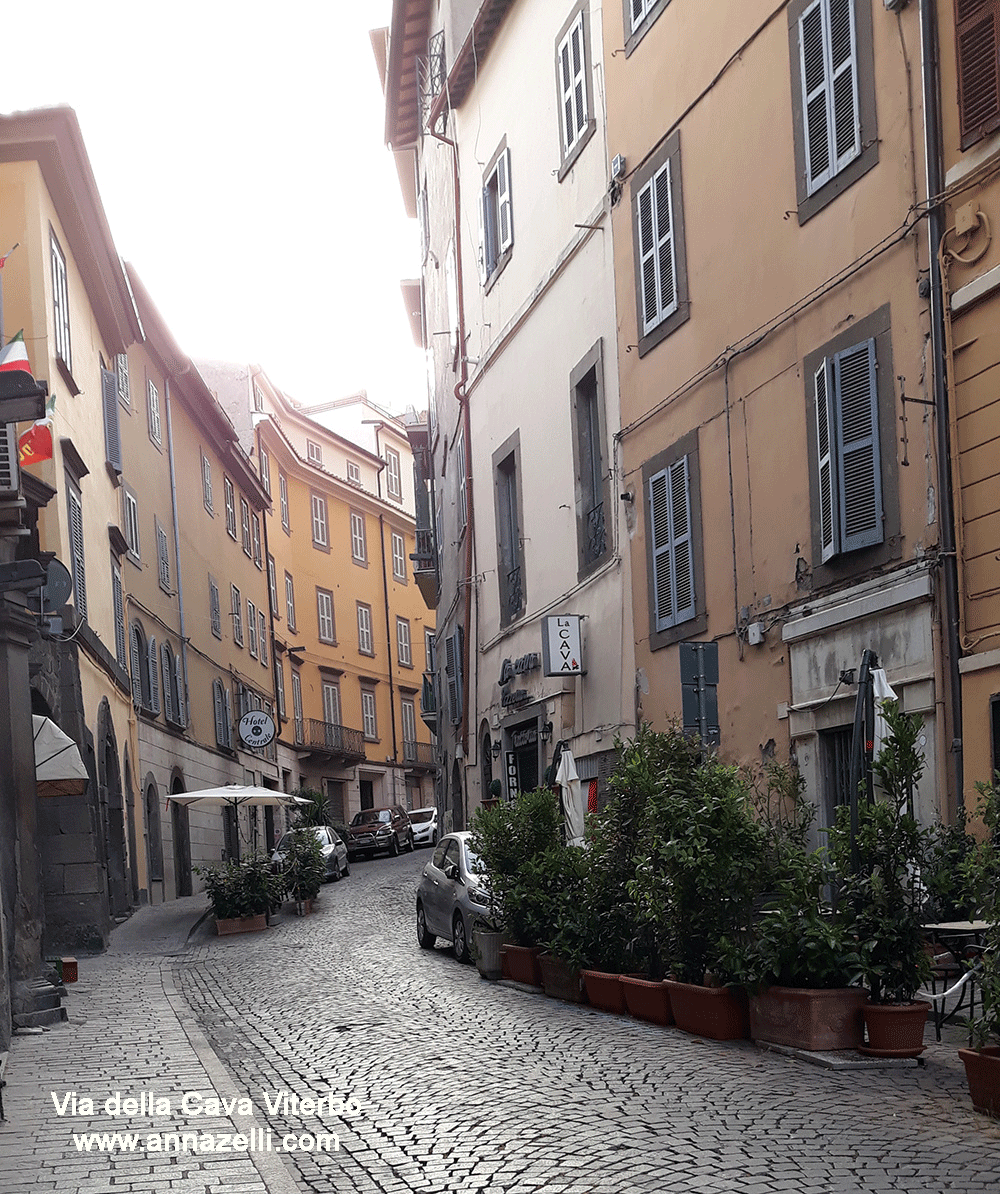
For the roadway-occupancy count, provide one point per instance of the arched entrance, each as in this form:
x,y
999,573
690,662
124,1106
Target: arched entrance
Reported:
x,y
154,841
133,859
457,803
112,810
182,841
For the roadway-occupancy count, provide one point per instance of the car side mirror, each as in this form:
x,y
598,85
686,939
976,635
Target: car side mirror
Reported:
x,y
452,872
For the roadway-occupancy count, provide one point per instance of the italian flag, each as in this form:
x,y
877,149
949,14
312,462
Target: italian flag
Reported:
x,y
14,357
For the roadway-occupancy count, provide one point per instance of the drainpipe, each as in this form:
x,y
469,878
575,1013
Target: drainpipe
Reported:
x,y
388,642
177,545
935,230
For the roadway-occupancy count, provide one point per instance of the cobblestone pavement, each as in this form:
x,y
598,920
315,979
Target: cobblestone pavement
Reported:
x,y
465,1085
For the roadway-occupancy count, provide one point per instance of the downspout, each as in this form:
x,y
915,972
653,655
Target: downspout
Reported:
x,y
177,545
935,231
275,660
463,402
385,596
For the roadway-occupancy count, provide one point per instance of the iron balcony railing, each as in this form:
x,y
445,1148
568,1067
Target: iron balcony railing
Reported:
x,y
418,754
333,739
596,538
425,557
515,592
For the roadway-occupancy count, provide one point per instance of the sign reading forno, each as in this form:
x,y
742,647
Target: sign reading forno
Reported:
x,y
562,650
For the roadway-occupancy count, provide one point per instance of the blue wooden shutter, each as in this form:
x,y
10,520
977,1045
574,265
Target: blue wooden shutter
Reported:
x,y
829,503
844,84
828,62
112,431
859,466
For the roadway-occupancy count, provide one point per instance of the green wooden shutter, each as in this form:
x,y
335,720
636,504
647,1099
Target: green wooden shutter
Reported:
x,y
859,465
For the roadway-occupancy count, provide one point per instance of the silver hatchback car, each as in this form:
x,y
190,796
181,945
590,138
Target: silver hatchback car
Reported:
x,y
452,896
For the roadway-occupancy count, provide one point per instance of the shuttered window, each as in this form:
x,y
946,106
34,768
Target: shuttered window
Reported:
x,y
657,259
167,674
153,672
283,500
60,302
393,475
297,707
324,613
137,659
265,471
180,706
252,640
977,42
112,431
214,608
245,526
847,447
262,627
121,372
236,609
829,75
118,601
220,705
206,483
398,557
131,506
359,545
153,410
365,629
638,9
279,687
368,718
672,545
162,558
75,507
453,673
290,601
230,495
331,702
572,73
258,556
320,534
403,642
497,215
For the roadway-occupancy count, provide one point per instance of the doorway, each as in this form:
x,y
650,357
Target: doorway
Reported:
x,y
522,758
182,843
367,793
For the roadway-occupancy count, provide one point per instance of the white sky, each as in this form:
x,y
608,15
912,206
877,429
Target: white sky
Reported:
x,y
239,150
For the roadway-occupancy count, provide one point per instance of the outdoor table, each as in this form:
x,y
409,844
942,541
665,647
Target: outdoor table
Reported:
x,y
958,936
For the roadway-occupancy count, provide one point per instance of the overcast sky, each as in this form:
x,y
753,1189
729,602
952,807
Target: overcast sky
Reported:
x,y
239,150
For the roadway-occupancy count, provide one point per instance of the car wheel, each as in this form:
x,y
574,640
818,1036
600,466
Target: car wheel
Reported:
x,y
410,843
334,874
394,846
346,871
425,938
434,838
459,939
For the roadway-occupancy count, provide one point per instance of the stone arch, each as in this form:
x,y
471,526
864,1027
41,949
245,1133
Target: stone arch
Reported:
x,y
181,830
112,812
154,839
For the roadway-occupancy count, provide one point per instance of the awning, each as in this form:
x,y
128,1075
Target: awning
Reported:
x,y
59,770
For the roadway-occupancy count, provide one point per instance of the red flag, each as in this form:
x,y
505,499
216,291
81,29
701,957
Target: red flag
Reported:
x,y
35,444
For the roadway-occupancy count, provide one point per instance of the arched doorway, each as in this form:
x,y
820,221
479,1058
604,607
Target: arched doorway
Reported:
x,y
457,804
112,807
182,841
154,842
133,858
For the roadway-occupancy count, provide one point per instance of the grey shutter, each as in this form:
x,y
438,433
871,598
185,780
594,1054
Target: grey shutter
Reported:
x,y
681,541
659,523
657,264
699,667
166,669
137,662
647,256
977,37
220,713
859,465
121,369
10,472
453,670
76,544
829,66
112,430
153,666
488,252
572,84
179,689
844,90
228,702
118,600
815,105
829,522
163,557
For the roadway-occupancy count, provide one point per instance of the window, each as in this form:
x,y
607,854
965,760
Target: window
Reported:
x,y
297,707
279,686
258,398
272,587
121,373
252,640
671,483
223,705
245,526
153,671
572,71
365,629
847,451
169,681
112,430
60,303
510,548
314,452
265,471
453,646
290,601
393,478
76,547
833,98
324,613
331,702
162,558
403,642
398,557
430,650
131,507
153,411
237,614
592,497
262,628
354,473
409,718
230,493
283,500
137,659
977,44
206,482
658,240
368,720
214,608
497,216
463,501
359,547
258,557
320,532
118,602
638,11
699,668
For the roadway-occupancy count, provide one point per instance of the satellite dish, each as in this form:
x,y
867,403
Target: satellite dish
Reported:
x,y
57,588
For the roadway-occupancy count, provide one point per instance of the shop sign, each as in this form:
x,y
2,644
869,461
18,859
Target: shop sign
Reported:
x,y
562,650
526,737
512,787
519,667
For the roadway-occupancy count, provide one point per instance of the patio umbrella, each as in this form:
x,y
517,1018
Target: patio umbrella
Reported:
x,y
236,796
573,801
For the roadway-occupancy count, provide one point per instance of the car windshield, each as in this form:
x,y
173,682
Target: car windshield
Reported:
x,y
473,863
370,816
419,815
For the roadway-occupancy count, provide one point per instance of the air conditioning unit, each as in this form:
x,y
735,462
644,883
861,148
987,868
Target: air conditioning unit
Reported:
x,y
10,473
617,167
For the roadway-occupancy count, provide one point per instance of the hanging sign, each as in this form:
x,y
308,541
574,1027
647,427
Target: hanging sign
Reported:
x,y
562,649
256,728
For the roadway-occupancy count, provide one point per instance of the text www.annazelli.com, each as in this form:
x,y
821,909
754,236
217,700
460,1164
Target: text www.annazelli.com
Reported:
x,y
254,1141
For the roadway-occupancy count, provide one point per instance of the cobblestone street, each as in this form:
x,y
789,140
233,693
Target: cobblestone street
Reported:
x,y
461,1084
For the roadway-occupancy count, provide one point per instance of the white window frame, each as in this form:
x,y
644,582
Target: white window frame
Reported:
x,y
408,717
672,538
820,100
404,652
639,10
497,216
331,703
463,501
131,505
121,372
265,471
236,598
272,587
359,541
283,501
326,623
354,473
290,601
118,605
77,547
214,608
258,557
263,629
314,452
206,483
297,707
60,302
162,558
369,715
393,474
365,640
398,556
245,538
279,686
153,411
655,215
230,495
574,97
320,520
252,640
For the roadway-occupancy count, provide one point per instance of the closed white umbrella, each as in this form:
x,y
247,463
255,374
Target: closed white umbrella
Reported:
x,y
572,797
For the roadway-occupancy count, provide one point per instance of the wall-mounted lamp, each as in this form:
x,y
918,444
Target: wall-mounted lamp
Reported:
x,y
495,748
547,732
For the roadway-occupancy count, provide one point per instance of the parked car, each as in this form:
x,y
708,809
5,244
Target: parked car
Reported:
x,y
376,829
453,895
425,826
334,850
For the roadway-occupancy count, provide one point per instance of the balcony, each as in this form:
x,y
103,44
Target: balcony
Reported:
x,y
425,566
419,756
326,738
428,703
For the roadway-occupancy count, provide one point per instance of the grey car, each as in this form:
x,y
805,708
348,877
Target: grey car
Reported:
x,y
334,850
452,895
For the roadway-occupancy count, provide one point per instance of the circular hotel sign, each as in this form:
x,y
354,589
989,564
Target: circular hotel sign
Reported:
x,y
256,728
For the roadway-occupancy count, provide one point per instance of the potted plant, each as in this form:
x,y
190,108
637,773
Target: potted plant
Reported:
x,y
558,877
703,851
241,893
982,870
303,870
880,899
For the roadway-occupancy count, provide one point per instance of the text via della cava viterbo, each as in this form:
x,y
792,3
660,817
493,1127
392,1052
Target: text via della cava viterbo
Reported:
x,y
193,1103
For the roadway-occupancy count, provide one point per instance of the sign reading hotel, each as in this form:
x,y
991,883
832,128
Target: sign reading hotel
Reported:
x,y
562,653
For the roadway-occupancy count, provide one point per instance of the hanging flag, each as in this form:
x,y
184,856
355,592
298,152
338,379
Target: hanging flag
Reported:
x,y
14,357
3,259
35,444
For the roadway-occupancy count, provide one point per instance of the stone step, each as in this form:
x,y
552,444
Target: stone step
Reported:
x,y
38,1019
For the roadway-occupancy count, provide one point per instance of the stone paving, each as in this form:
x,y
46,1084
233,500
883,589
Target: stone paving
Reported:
x,y
459,1085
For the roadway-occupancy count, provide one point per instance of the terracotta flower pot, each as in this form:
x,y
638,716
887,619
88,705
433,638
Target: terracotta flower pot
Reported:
x,y
804,1018
241,924
647,1000
895,1029
982,1070
604,990
560,980
720,1013
522,963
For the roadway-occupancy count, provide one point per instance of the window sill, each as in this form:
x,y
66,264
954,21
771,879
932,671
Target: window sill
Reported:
x,y
569,161
66,373
665,328
319,547
643,27
498,269
658,639
360,563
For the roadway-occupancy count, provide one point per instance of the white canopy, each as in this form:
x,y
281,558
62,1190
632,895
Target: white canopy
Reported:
x,y
237,795
59,769
572,797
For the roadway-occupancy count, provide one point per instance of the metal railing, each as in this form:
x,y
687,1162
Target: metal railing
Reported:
x,y
334,739
515,592
419,754
596,536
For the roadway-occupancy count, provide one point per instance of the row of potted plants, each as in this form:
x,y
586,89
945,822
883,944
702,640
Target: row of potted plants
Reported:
x,y
697,889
